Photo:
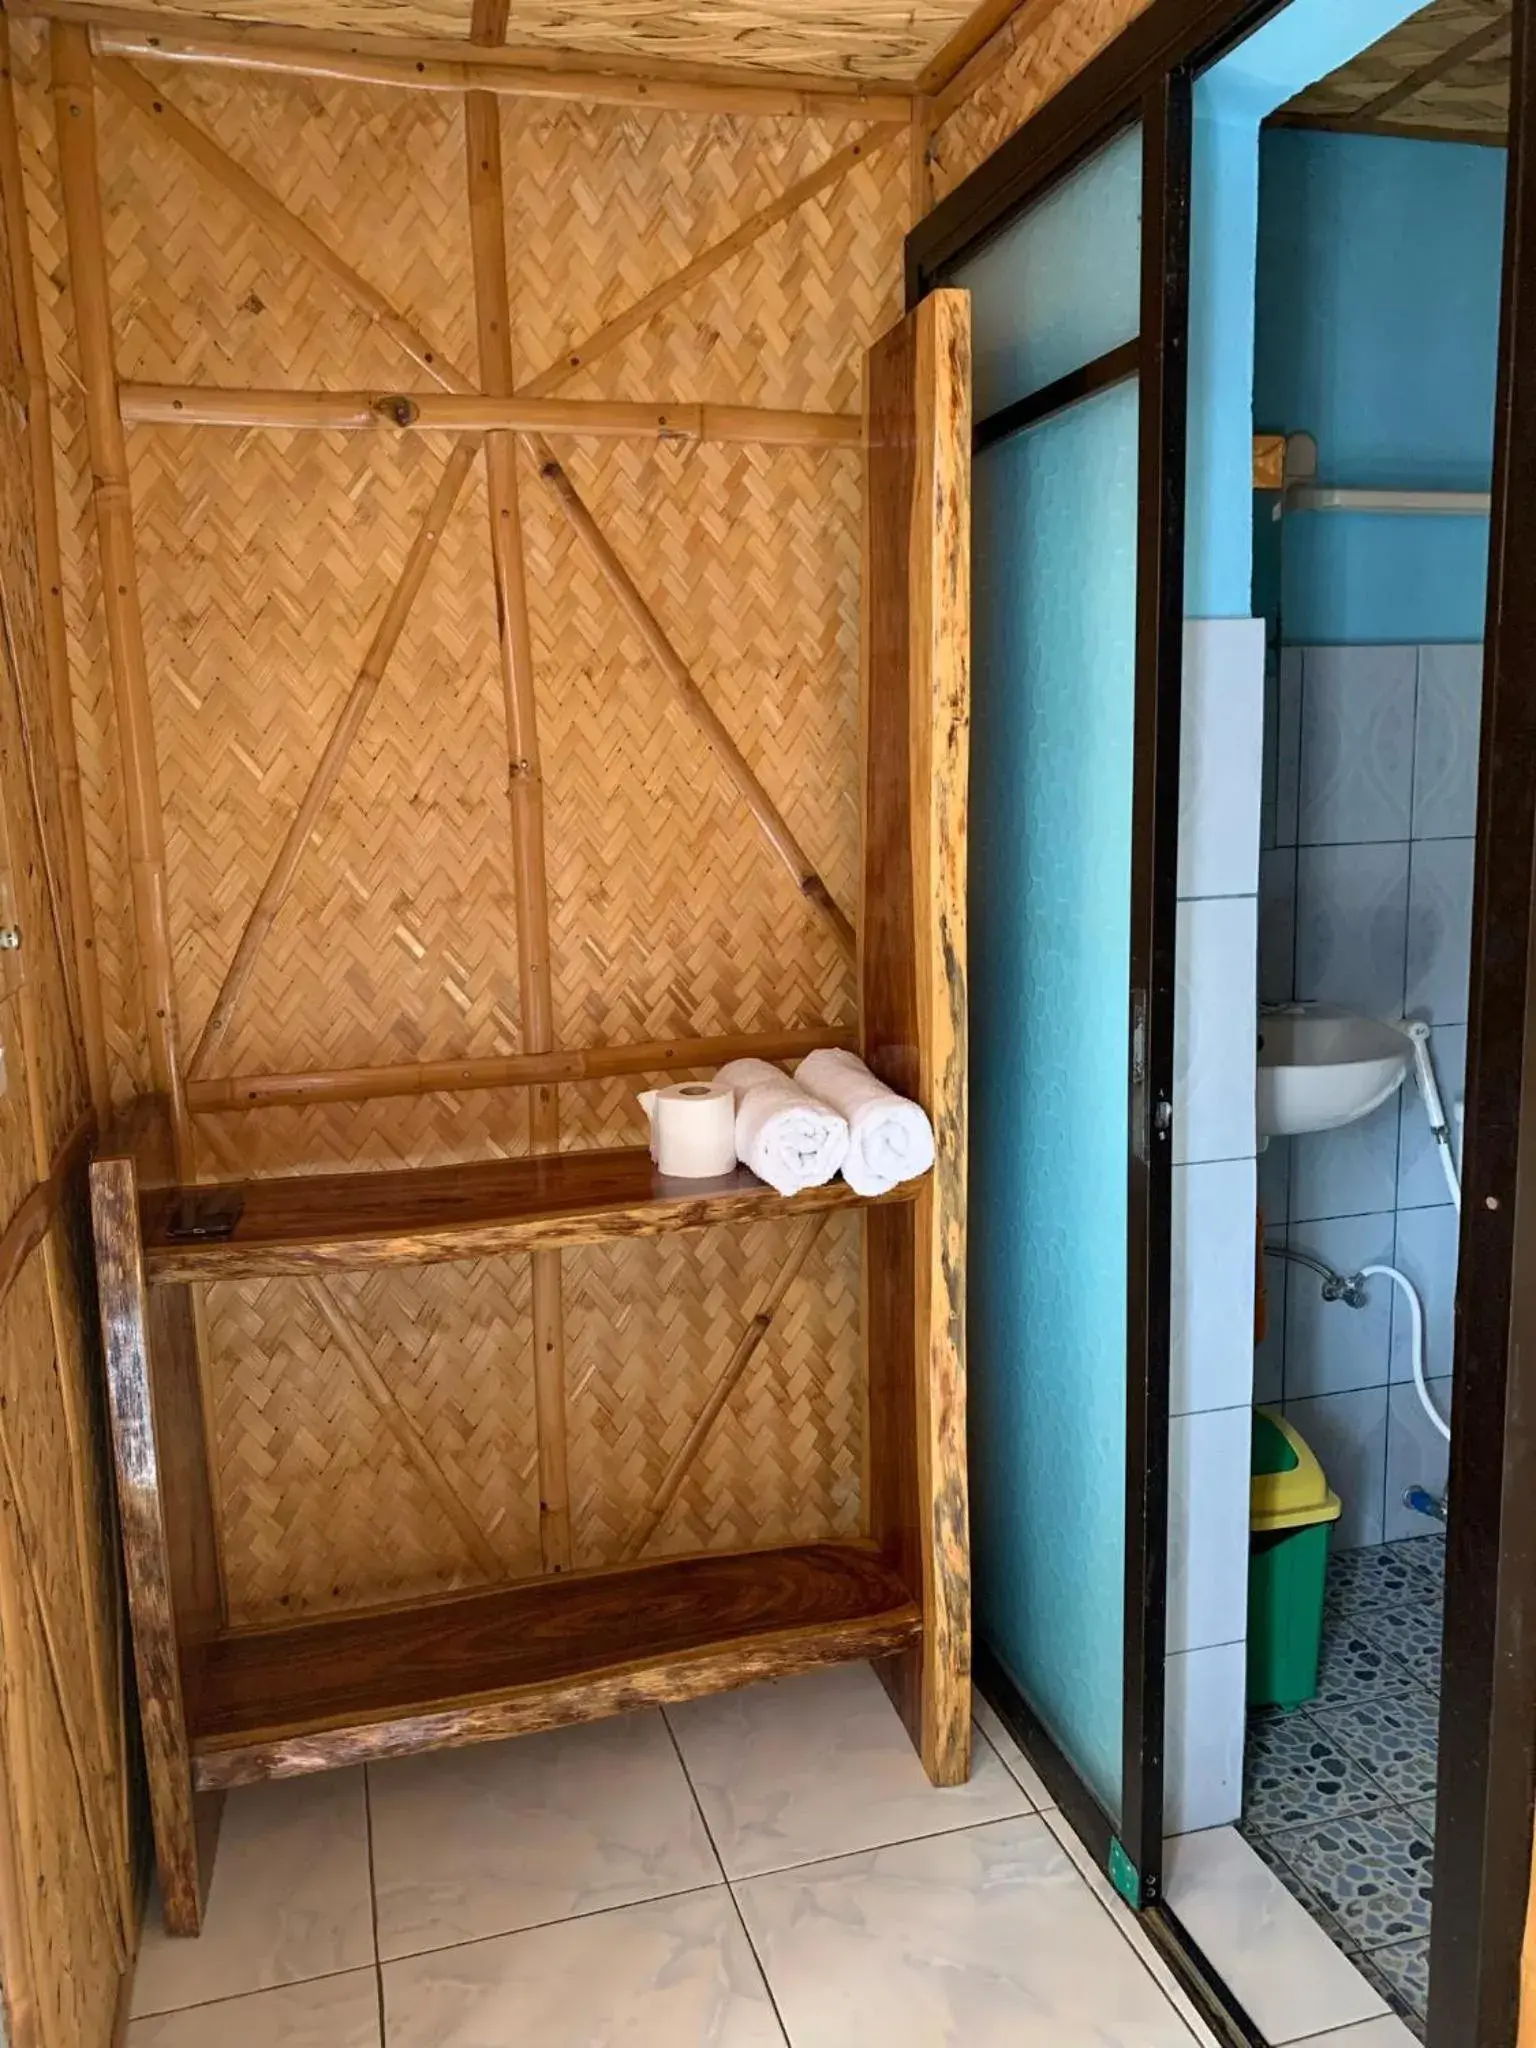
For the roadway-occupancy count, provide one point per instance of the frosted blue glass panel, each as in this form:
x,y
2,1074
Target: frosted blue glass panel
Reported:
x,y
1062,285
1054,566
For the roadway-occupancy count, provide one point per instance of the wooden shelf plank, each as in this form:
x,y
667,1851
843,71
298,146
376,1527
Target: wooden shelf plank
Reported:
x,y
305,1222
315,1695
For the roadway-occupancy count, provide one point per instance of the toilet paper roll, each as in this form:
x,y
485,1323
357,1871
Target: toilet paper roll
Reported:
x,y
693,1129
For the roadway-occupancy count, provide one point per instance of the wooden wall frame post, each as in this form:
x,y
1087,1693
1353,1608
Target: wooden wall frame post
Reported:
x,y
79,176
525,789
912,977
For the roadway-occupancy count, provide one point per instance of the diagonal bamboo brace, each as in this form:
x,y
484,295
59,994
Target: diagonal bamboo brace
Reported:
x,y
775,826
349,722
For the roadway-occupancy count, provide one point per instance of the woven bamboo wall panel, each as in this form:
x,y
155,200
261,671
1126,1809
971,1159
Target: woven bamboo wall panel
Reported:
x,y
858,39
649,1325
1041,64
265,562
320,1506
90,680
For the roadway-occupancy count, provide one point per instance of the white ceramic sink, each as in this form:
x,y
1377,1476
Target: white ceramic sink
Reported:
x,y
1320,1067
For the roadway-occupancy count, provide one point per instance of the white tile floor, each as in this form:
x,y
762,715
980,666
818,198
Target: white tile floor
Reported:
x,y
768,1869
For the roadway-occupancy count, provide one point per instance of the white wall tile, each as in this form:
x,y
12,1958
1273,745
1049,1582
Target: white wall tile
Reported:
x,y
1417,1455
1421,1182
1439,930
1349,1434
1427,1251
1212,1302
1287,744
1208,1487
1215,1030
1277,924
1348,1172
1206,1709
1356,780
1221,757
1351,926
1329,1346
1445,751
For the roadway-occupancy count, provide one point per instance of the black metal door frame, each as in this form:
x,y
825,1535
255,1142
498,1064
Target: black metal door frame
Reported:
x,y
1487,1762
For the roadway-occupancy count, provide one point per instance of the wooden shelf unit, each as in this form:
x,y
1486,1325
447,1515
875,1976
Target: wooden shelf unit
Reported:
x,y
221,1706
302,1223
264,1703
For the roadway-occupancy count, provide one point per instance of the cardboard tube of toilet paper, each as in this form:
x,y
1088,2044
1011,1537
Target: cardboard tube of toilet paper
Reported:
x,y
693,1129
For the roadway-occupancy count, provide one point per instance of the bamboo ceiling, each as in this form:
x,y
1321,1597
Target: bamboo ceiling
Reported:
x,y
1442,74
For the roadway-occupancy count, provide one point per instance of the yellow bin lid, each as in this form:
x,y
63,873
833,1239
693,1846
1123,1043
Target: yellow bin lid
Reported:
x,y
1289,1490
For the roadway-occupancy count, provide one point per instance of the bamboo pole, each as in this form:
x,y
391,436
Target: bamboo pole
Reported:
x,y
774,826
50,587
920,158
235,1092
75,116
493,325
405,1432
990,57
742,1354
502,76
102,14
183,405
978,28
56,916
327,771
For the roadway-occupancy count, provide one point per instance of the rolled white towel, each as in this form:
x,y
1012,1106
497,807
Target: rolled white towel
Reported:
x,y
787,1137
889,1138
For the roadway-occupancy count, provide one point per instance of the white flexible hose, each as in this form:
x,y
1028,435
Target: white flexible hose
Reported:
x,y
1434,1107
1416,1311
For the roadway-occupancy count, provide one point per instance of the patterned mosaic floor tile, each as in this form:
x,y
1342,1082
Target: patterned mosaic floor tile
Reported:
x,y
1393,1737
1389,1575
1370,1871
1294,1772
1356,1665
1401,1974
1411,1634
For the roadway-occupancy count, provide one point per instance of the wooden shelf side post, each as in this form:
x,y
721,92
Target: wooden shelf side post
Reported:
x,y
165,1510
912,978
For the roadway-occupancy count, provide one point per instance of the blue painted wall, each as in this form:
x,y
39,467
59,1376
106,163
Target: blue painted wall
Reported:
x,y
1305,41
1377,331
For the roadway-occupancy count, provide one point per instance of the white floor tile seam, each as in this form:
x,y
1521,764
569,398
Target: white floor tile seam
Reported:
x,y
373,1903
165,2012
444,1948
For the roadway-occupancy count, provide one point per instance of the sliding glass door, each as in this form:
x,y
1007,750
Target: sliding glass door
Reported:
x,y
1076,541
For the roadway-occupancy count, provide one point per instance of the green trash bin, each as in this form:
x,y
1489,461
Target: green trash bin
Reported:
x,y
1291,1512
